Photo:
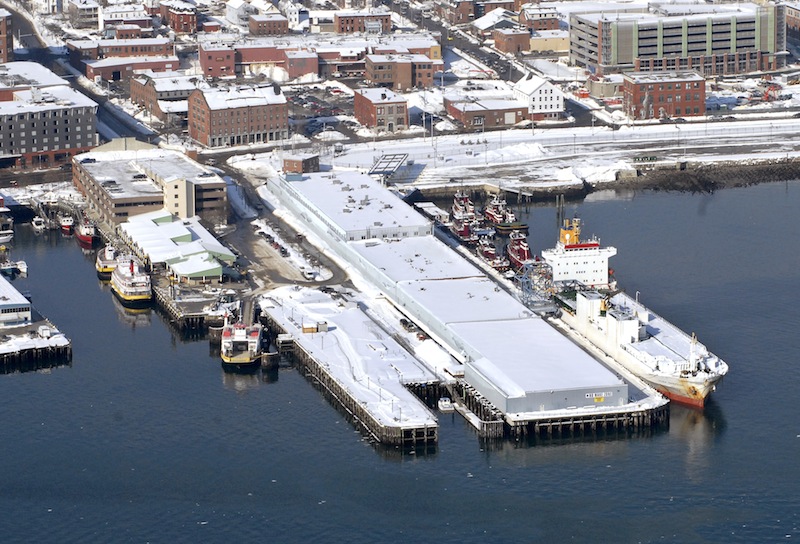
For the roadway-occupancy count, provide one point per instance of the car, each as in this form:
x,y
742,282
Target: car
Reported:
x,y
284,252
679,120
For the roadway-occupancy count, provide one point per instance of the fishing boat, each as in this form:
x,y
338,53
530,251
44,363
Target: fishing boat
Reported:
x,y
518,251
241,346
130,283
86,233
106,261
66,222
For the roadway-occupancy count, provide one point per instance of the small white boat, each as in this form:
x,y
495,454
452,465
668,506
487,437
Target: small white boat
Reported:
x,y
6,236
445,405
66,222
38,224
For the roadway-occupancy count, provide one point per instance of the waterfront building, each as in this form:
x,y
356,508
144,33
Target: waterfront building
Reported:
x,y
511,357
233,116
15,309
660,95
485,114
43,121
123,183
713,39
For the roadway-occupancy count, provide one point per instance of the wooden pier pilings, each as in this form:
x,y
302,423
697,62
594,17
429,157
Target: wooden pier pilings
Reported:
x,y
32,359
406,437
187,323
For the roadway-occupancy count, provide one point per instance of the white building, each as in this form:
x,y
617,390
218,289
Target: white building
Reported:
x,y
542,97
15,309
238,12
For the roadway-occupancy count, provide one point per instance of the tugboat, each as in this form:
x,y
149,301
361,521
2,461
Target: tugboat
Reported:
x,y
241,345
464,220
518,251
500,215
106,262
487,252
131,284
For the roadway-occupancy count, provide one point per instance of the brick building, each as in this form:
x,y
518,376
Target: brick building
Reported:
x,y
401,72
6,36
456,12
164,95
301,163
536,17
512,40
237,116
378,21
179,15
128,14
381,109
270,24
486,114
657,95
83,50
216,59
84,13
125,31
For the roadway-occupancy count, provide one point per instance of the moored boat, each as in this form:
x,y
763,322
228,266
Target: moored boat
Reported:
x,y
38,224
487,252
66,222
501,216
86,233
445,405
241,346
518,251
130,283
106,261
6,236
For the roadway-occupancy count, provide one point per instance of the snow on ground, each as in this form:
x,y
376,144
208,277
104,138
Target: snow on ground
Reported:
x,y
45,192
356,351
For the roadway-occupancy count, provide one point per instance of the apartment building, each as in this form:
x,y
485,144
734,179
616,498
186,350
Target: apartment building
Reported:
x,y
661,95
400,72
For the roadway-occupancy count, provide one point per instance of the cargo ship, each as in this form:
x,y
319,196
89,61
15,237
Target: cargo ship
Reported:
x,y
130,283
635,337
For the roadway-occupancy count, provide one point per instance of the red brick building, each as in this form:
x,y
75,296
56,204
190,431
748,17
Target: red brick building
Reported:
x,y
536,17
457,12
510,40
381,109
238,116
486,114
655,95
271,24
180,16
164,95
126,32
401,72
300,163
6,36
216,60
82,50
349,22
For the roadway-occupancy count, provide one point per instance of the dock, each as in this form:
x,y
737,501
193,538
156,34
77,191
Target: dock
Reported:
x,y
362,370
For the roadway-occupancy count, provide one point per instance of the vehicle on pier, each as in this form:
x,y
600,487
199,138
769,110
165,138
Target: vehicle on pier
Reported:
x,y
130,283
241,346
106,261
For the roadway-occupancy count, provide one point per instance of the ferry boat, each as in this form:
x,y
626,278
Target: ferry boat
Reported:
x,y
86,233
130,283
635,337
106,261
241,345
66,222
518,251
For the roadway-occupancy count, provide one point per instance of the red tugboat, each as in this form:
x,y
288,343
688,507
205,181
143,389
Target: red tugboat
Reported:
x,y
463,231
487,252
463,217
518,250
500,215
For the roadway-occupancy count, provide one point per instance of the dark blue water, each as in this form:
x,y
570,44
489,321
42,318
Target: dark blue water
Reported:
x,y
144,438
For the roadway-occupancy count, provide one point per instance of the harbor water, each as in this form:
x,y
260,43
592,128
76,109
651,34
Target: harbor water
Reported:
x,y
144,438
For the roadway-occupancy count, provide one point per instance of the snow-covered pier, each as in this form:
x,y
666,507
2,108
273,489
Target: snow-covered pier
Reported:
x,y
363,369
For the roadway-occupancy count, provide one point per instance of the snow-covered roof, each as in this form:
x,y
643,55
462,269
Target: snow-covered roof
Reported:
x,y
25,74
488,105
124,61
10,297
549,34
660,77
530,84
173,106
243,97
170,80
381,96
93,44
494,17
51,98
